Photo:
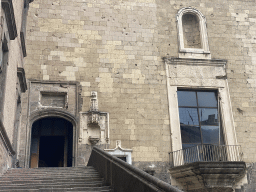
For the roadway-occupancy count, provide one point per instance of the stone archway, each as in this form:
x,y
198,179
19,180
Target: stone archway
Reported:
x,y
51,143
51,132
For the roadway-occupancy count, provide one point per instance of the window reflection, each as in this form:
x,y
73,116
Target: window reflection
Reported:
x,y
210,134
187,98
188,116
190,134
208,116
207,99
199,118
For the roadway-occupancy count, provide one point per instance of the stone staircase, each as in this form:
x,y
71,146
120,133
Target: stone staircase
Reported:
x,y
53,179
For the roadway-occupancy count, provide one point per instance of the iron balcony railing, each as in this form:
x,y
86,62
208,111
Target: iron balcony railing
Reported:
x,y
206,153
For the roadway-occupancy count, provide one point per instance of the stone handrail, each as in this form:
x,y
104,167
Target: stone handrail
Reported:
x,y
124,177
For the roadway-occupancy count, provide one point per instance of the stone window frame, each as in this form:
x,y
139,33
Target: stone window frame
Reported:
x,y
216,81
4,52
225,114
5,39
204,52
197,107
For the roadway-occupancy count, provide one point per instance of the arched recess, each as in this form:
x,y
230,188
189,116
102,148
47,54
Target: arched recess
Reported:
x,y
199,51
51,113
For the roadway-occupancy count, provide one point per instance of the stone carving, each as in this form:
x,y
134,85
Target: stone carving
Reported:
x,y
94,140
93,114
94,124
94,101
121,152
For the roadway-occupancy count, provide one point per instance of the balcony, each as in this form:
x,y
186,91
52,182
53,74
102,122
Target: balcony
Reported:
x,y
207,167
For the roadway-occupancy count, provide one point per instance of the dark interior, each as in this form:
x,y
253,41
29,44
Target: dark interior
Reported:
x,y
51,151
52,143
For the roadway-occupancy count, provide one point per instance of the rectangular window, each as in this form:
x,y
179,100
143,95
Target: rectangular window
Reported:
x,y
199,118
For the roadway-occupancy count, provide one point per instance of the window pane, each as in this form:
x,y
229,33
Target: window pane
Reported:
x,y
207,99
208,116
184,146
187,98
188,116
210,134
190,134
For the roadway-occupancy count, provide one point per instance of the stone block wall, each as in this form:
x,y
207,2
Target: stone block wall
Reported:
x,y
117,48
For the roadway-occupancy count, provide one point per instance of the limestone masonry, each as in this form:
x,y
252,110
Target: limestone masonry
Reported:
x,y
121,75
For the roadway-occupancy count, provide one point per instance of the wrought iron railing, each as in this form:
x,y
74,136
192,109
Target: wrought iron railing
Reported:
x,y
206,153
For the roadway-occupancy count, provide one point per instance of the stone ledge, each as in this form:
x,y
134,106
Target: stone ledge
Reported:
x,y
209,176
185,61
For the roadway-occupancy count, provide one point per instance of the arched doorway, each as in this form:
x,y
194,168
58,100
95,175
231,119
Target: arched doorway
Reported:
x,y
51,143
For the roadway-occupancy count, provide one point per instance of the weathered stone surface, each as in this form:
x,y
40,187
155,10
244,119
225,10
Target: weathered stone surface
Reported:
x,y
117,48
202,176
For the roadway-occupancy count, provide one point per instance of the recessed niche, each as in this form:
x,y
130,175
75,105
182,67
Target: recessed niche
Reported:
x,y
53,99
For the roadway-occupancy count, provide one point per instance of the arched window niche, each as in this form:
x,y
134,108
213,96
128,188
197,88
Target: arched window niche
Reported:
x,y
193,40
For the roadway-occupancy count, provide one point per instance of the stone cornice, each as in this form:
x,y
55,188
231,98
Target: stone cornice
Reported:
x,y
22,79
184,61
10,17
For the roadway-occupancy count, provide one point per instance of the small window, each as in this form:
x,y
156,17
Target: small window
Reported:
x,y
199,118
122,158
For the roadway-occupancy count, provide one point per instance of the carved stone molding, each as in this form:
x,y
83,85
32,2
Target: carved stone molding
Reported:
x,y
94,140
10,17
94,124
121,152
199,53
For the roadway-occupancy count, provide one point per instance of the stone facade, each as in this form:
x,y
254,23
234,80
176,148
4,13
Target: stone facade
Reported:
x,y
12,79
129,52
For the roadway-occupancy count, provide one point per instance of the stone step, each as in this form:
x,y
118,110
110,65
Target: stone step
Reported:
x,y
52,175
52,169
49,172
53,179
55,185
98,189
42,182
50,190
49,180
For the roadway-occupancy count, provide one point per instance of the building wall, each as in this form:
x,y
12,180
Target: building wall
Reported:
x,y
13,86
117,48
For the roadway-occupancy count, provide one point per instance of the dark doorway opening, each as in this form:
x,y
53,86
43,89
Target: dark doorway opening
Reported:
x,y
51,151
51,143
